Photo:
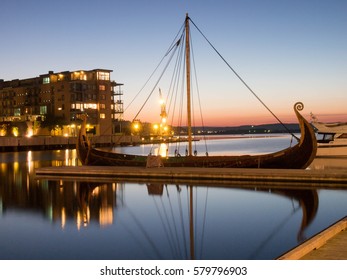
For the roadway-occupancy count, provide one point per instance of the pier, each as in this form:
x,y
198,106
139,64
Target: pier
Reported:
x,y
330,244
283,177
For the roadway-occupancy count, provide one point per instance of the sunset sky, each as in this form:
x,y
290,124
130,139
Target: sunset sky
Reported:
x,y
286,51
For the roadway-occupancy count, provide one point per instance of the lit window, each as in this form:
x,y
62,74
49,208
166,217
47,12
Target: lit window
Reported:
x,y
17,111
79,75
102,106
43,110
90,106
102,87
103,76
102,116
46,80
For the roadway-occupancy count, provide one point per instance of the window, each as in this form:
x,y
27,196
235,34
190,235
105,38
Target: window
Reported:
x,y
102,106
103,76
90,106
102,116
79,75
46,80
17,111
102,87
43,110
61,77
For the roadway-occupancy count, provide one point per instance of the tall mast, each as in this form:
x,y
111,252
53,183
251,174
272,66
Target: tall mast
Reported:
x,y
189,113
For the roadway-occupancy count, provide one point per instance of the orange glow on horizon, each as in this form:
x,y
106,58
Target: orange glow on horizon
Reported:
x,y
254,119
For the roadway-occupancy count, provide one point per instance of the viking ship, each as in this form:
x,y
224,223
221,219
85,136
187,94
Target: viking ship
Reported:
x,y
298,156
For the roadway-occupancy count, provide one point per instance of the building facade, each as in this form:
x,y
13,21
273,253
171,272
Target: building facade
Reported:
x,y
29,105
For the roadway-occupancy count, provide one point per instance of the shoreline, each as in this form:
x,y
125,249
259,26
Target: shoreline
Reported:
x,y
41,143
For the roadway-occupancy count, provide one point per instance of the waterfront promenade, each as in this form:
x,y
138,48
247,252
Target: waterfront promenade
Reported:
x,y
10,144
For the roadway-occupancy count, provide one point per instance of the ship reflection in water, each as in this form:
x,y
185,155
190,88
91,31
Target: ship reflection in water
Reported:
x,y
108,219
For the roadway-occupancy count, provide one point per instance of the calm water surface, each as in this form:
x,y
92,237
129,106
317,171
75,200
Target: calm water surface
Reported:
x,y
69,219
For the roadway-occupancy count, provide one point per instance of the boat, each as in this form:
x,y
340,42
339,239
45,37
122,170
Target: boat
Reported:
x,y
298,156
331,138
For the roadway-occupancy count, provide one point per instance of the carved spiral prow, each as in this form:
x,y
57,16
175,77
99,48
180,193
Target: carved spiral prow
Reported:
x,y
308,142
298,106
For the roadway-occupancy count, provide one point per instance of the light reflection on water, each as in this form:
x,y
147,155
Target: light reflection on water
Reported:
x,y
61,219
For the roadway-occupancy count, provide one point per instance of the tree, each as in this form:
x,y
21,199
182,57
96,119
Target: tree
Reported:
x,y
52,122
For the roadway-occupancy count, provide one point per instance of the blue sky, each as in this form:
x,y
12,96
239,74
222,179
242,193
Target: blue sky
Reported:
x,y
287,51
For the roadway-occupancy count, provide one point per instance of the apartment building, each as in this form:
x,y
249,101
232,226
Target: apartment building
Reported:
x,y
25,105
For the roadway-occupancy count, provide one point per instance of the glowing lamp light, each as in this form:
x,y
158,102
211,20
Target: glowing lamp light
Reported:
x,y
15,131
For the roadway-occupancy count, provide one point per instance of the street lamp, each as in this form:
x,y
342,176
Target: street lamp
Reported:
x,y
136,126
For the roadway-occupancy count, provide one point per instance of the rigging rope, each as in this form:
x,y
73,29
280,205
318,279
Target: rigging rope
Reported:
x,y
161,75
203,226
166,231
198,93
174,44
145,233
245,84
173,220
175,82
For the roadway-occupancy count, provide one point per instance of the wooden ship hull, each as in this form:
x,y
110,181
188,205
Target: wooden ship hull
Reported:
x,y
297,157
